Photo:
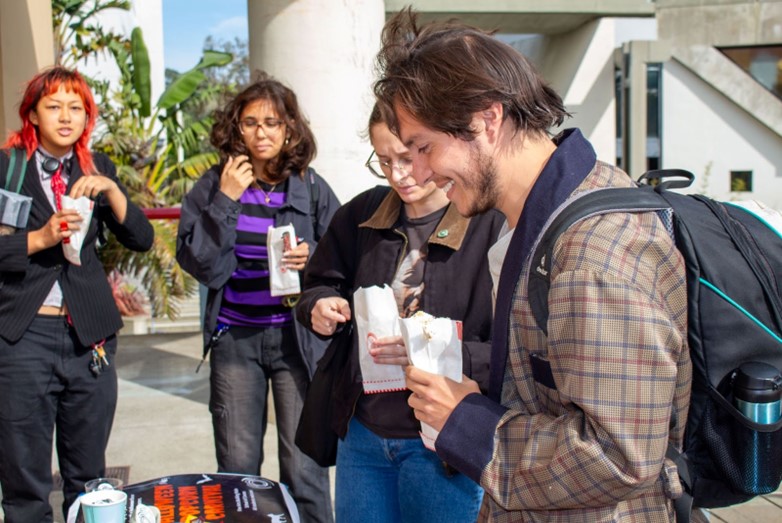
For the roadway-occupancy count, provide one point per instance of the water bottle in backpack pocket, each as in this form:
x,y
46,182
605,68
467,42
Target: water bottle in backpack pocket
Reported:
x,y
757,394
740,438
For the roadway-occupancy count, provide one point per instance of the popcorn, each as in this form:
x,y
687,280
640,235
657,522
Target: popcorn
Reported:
x,y
434,345
425,320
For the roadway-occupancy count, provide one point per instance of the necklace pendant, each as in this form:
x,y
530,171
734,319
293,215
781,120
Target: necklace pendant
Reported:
x,y
268,198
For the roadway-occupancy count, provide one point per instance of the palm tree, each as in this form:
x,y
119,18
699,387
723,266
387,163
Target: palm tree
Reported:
x,y
77,36
157,157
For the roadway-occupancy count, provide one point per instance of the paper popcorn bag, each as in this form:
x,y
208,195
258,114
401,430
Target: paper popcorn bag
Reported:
x,y
282,280
72,248
434,345
377,316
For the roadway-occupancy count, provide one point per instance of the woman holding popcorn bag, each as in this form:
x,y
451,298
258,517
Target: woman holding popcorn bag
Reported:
x,y
409,238
58,318
263,180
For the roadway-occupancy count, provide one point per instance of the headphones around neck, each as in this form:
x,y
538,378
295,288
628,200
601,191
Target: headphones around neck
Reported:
x,y
50,165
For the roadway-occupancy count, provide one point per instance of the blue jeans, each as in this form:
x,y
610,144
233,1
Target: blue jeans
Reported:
x,y
243,363
383,480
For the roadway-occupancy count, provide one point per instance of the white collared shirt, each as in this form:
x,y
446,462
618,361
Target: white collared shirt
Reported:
x,y
54,298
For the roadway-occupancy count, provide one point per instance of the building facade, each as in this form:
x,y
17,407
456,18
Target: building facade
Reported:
x,y
692,84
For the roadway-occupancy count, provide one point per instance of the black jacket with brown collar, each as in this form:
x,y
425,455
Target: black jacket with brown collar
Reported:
x,y
25,281
362,248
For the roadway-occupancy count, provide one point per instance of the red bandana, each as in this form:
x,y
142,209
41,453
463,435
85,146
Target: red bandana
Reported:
x,y
58,187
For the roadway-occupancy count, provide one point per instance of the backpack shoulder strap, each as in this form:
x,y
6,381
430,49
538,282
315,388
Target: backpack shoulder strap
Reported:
x,y
624,199
314,198
17,168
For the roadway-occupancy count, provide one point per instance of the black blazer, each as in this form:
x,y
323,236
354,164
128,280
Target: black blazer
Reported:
x,y
25,280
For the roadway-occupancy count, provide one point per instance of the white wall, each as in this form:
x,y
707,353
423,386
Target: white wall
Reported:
x,y
702,128
628,29
587,84
580,66
148,15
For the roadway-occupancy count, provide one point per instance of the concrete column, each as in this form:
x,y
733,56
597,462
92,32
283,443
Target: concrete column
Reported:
x,y
636,108
26,46
324,51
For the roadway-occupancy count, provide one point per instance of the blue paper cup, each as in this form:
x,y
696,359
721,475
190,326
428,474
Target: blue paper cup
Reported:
x,y
104,506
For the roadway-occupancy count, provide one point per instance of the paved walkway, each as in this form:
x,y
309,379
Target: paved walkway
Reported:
x,y
163,426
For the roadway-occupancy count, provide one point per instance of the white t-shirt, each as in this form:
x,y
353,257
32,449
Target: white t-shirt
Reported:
x,y
496,255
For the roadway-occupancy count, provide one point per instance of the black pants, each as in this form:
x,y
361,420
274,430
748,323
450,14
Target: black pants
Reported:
x,y
45,382
245,363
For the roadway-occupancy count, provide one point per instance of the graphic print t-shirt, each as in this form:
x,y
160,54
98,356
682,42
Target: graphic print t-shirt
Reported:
x,y
387,414
408,284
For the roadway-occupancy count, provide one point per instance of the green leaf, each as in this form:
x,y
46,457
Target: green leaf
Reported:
x,y
214,59
141,71
198,164
181,89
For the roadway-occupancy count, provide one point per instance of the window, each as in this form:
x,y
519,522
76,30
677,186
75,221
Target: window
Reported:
x,y
652,135
621,111
763,63
653,115
741,181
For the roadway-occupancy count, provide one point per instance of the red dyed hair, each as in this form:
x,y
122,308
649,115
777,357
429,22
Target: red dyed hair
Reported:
x,y
45,83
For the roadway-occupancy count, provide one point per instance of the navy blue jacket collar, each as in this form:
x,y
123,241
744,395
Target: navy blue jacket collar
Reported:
x,y
570,164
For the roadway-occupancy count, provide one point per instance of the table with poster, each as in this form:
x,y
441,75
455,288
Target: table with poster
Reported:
x,y
210,498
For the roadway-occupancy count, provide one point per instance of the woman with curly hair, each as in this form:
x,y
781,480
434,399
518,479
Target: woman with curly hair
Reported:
x,y
58,319
262,180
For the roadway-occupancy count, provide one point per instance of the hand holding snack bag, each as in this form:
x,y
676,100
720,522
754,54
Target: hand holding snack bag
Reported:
x,y
377,316
434,345
283,281
84,206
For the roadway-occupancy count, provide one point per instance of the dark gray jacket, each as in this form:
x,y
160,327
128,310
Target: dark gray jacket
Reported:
x,y
207,234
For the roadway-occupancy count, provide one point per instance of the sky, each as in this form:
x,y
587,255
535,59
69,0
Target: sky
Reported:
x,y
187,23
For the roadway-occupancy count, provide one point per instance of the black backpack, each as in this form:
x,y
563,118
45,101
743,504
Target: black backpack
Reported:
x,y
733,261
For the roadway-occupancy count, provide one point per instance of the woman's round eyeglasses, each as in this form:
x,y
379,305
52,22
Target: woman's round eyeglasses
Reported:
x,y
383,168
269,125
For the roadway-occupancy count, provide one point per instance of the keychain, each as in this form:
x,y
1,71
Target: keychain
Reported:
x,y
99,358
221,329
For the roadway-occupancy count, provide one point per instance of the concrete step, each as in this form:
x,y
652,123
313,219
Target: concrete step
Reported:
x,y
141,325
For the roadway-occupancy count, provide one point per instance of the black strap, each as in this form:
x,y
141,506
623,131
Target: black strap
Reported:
x,y
541,371
749,250
627,199
17,168
314,197
682,506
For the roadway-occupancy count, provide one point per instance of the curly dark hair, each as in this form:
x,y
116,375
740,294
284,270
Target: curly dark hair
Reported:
x,y
442,73
300,148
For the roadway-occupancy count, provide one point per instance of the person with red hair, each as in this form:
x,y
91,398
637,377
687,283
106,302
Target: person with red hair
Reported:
x,y
58,320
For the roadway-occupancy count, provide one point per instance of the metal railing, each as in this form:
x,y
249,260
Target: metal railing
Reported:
x,y
162,213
